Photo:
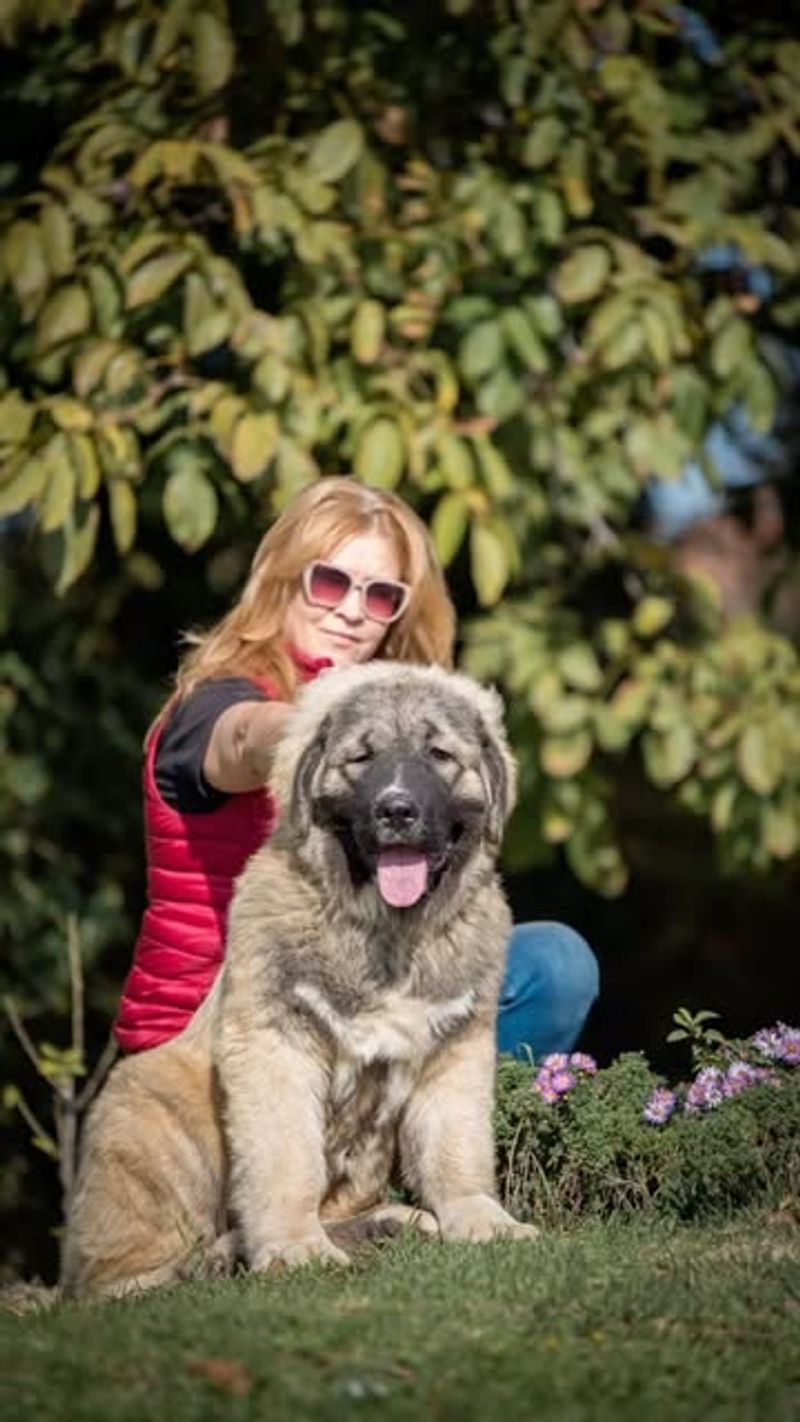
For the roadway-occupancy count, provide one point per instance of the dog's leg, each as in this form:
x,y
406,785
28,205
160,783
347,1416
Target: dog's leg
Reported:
x,y
275,1092
446,1143
382,1222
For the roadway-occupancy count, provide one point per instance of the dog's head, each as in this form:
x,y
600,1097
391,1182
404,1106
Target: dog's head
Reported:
x,y
397,776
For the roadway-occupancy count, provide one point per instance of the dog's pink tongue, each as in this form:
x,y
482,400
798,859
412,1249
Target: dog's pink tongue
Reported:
x,y
402,876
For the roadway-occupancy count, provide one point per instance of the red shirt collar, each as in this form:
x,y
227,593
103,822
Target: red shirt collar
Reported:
x,y
308,667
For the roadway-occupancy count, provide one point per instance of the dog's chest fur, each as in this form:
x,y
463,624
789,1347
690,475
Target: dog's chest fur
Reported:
x,y
376,1058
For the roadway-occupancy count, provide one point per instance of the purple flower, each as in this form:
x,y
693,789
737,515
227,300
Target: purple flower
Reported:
x,y
706,1091
547,1092
556,1061
581,1061
660,1107
791,1047
739,1076
769,1041
562,1080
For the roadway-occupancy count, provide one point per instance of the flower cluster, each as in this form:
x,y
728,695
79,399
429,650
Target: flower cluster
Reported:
x,y
714,1084
779,1044
560,1071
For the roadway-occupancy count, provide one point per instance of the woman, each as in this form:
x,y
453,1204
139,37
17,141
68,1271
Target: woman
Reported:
x,y
347,573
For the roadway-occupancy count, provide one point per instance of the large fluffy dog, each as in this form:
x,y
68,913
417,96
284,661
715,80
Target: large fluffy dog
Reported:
x,y
352,1030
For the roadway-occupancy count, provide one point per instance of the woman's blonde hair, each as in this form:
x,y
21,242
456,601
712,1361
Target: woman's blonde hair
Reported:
x,y
249,640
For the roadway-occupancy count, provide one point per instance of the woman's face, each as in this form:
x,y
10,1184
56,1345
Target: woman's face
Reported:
x,y
345,633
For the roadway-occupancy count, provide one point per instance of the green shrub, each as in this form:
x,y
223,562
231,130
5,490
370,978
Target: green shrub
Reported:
x,y
591,1151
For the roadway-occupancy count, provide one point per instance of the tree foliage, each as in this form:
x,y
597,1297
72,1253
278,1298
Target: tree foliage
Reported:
x,y
455,248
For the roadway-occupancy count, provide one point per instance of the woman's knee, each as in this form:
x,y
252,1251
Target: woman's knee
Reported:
x,y
552,960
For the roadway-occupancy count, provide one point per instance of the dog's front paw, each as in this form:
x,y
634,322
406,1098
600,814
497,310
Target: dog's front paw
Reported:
x,y
477,1218
313,1248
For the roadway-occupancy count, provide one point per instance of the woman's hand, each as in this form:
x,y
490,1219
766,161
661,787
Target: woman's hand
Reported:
x,y
242,745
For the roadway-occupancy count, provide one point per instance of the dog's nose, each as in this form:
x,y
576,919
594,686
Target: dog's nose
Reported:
x,y
396,810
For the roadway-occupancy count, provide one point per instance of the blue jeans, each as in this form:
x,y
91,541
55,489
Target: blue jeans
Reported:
x,y
551,981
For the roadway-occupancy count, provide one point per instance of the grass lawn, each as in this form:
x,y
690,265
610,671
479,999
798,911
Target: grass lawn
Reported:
x,y
639,1321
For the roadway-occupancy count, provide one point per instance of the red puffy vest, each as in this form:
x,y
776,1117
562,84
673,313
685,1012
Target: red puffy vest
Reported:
x,y
192,864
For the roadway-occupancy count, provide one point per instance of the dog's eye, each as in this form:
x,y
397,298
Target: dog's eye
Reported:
x,y
440,753
360,756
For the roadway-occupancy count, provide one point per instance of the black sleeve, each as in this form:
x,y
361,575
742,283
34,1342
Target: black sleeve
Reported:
x,y
184,741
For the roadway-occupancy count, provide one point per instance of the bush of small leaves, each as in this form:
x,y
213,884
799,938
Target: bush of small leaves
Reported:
x,y
574,1140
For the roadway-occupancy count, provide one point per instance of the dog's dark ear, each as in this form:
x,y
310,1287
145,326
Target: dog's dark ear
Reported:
x,y
307,767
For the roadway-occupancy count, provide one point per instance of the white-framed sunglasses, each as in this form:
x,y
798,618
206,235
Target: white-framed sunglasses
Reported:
x,y
382,599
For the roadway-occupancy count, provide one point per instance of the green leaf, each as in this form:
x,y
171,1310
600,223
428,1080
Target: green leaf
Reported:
x,y
759,756
456,461
481,350
57,237
25,260
652,615
780,831
335,150
543,142
58,495
79,544
88,368
496,471
565,756
367,331
152,279
380,454
489,563
16,418
253,444
669,756
580,668
583,274
124,514
24,488
190,504
66,314
213,52
524,341
731,348
449,526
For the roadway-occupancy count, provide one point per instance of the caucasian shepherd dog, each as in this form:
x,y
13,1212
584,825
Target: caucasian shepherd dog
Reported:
x,y
350,1039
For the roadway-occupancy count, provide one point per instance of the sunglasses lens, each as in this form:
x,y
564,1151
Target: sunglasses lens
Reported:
x,y
328,586
383,601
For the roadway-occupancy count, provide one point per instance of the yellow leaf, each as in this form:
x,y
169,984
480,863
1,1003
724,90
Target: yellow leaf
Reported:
x,y
489,563
57,236
66,314
583,274
652,615
449,525
70,414
565,756
253,444
25,487
25,260
85,463
335,150
456,460
213,52
123,511
89,367
151,280
380,454
58,496
224,416
367,331
759,757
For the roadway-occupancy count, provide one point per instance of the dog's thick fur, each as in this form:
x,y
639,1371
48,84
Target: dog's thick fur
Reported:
x,y
345,1037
